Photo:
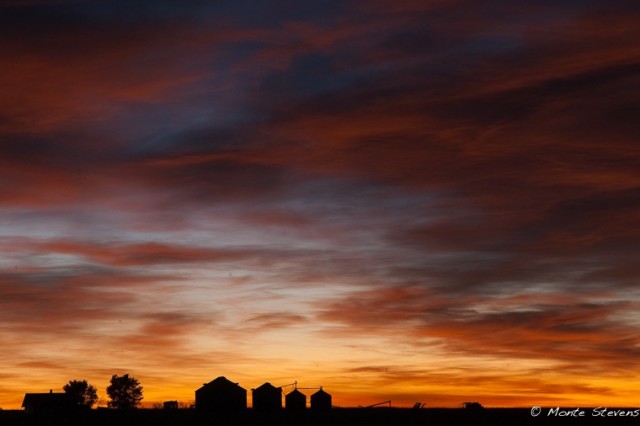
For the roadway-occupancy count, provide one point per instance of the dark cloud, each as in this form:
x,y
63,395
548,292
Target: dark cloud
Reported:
x,y
67,298
270,321
567,328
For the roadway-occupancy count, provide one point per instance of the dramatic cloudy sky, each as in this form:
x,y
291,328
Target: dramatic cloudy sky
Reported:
x,y
404,200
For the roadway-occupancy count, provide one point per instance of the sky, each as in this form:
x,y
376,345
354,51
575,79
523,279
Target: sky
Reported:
x,y
434,201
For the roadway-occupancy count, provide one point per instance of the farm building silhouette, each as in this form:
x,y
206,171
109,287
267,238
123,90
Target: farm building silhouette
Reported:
x,y
47,404
321,401
267,398
221,395
170,405
295,401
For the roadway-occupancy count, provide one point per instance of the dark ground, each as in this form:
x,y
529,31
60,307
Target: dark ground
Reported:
x,y
338,417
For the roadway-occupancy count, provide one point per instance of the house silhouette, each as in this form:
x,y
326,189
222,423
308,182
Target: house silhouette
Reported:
x,y
221,395
48,404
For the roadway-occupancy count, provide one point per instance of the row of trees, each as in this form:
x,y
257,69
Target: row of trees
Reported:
x,y
124,392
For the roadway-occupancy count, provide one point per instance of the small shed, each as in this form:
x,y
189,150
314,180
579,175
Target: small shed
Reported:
x,y
321,401
170,405
295,401
221,395
472,405
48,404
267,398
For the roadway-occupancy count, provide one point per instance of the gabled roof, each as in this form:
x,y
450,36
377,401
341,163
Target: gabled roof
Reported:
x,y
47,399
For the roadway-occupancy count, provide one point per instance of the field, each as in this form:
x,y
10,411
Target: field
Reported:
x,y
338,417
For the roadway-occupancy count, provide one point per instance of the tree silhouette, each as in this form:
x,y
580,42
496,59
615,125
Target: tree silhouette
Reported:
x,y
83,394
124,391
